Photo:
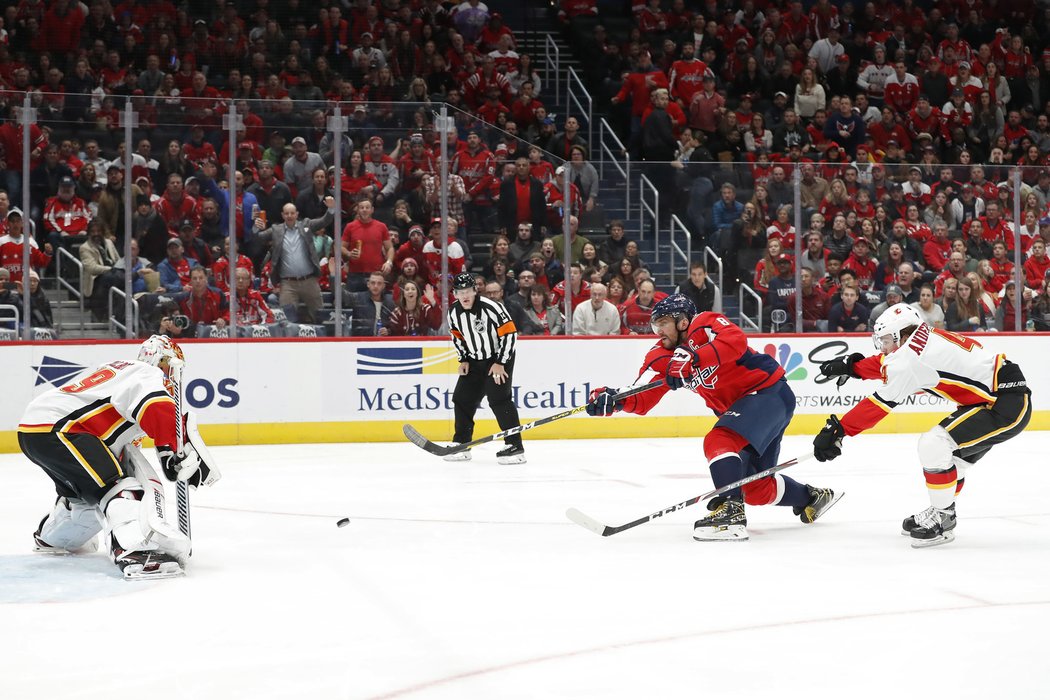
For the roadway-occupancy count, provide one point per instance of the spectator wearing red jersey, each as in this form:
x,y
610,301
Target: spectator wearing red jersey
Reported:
x,y
419,161
996,228
638,86
580,289
412,315
636,314
432,250
203,305
11,248
367,248
686,77
902,89
477,167
937,249
1037,265
62,26
252,308
413,249
862,264
220,270
66,216
175,206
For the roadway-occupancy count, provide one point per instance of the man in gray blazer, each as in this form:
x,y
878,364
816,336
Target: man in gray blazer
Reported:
x,y
296,264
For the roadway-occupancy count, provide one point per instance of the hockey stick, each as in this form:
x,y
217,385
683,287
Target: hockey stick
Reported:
x,y
586,521
182,490
433,448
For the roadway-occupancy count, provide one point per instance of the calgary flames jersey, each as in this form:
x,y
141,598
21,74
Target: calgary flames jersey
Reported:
x,y
935,361
117,402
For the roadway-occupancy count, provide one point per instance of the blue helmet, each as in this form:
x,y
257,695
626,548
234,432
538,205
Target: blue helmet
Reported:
x,y
676,305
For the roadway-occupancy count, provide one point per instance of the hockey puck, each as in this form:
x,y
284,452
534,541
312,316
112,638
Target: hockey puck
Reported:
x,y
343,522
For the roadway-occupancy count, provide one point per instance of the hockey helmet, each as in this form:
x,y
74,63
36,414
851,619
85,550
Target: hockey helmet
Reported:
x,y
891,323
158,349
676,306
464,280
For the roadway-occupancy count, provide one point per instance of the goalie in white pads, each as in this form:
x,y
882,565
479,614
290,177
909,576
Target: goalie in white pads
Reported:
x,y
83,436
993,397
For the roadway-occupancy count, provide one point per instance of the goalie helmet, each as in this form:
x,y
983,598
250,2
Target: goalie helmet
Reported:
x,y
891,323
676,306
157,349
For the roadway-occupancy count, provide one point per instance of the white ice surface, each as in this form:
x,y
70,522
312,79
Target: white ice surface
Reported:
x,y
463,581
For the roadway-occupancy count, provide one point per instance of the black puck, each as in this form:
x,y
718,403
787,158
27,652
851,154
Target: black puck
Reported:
x,y
343,522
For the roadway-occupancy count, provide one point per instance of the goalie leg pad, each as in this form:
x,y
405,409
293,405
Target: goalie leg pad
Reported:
x,y
70,527
133,523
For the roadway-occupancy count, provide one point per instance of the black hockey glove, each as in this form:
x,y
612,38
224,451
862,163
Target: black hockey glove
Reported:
x,y
827,445
601,402
841,366
189,466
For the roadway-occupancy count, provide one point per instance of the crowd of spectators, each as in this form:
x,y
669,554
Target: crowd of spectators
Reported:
x,y
895,114
284,67
905,119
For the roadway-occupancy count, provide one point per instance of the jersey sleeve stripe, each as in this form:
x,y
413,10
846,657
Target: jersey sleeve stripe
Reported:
x,y
36,427
157,397
881,403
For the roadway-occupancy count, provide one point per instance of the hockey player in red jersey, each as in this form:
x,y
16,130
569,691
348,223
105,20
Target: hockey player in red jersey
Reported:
x,y
992,394
709,354
84,435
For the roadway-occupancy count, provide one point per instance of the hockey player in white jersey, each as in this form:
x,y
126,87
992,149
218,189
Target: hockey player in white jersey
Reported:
x,y
993,398
84,435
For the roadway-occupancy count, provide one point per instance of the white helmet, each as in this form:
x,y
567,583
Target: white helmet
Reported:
x,y
158,348
891,322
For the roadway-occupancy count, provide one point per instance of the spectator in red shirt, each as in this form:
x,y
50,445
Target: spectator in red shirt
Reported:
x,y
252,308
203,305
367,247
1037,265
522,199
175,206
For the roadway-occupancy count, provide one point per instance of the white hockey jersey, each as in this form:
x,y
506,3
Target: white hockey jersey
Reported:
x,y
118,402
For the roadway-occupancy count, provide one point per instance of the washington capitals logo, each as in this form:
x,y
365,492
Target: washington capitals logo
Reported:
x,y
790,361
56,372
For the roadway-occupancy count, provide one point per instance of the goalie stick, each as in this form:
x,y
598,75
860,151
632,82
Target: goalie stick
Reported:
x,y
586,521
416,438
182,489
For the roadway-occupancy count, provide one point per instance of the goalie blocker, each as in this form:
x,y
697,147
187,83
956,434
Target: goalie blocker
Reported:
x,y
84,435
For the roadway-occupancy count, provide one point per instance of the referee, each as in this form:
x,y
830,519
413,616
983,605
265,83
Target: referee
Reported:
x,y
484,336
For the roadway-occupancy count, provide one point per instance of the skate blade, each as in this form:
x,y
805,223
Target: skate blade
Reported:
x,y
516,459
945,538
731,533
153,572
458,457
812,517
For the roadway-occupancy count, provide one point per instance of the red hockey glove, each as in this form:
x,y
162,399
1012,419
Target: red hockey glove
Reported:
x,y
680,369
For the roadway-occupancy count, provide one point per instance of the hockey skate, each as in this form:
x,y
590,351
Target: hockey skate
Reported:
x,y
931,527
512,454
726,522
146,565
820,501
463,456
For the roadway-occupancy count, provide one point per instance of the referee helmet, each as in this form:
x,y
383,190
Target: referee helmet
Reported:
x,y
464,280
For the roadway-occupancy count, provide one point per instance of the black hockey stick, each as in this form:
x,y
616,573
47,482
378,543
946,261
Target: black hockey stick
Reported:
x,y
433,448
584,520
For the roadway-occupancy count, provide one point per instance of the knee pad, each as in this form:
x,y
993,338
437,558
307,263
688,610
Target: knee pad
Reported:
x,y
935,449
764,491
71,525
134,521
722,441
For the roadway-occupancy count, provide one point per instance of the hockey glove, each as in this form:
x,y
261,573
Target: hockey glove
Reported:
x,y
680,368
188,468
601,402
841,366
827,445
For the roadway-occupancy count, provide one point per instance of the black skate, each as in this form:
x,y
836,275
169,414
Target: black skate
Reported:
x,y
931,527
146,565
820,500
726,522
512,454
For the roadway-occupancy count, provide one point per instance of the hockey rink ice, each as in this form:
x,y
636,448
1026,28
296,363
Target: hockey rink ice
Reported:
x,y
463,581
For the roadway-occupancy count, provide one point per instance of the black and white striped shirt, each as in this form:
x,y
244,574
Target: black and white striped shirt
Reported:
x,y
484,332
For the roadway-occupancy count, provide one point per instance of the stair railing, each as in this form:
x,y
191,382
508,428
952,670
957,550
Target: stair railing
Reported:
x,y
746,322
607,142
552,62
114,324
709,257
676,250
576,95
63,284
644,184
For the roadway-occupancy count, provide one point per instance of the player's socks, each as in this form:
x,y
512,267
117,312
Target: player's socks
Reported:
x,y
725,469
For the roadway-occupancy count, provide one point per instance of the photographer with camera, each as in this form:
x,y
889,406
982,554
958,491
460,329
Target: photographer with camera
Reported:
x,y
200,306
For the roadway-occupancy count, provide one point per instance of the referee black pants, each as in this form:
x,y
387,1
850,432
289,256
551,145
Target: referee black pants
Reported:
x,y
475,385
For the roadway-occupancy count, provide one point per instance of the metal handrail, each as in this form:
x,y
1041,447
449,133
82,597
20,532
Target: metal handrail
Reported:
x,y
654,211
686,254
624,170
113,322
63,253
710,254
17,318
745,321
553,65
570,98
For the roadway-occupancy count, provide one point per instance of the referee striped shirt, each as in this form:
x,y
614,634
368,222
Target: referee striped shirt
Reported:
x,y
484,332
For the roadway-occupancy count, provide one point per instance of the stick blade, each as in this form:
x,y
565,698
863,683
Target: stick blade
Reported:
x,y
417,439
587,522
